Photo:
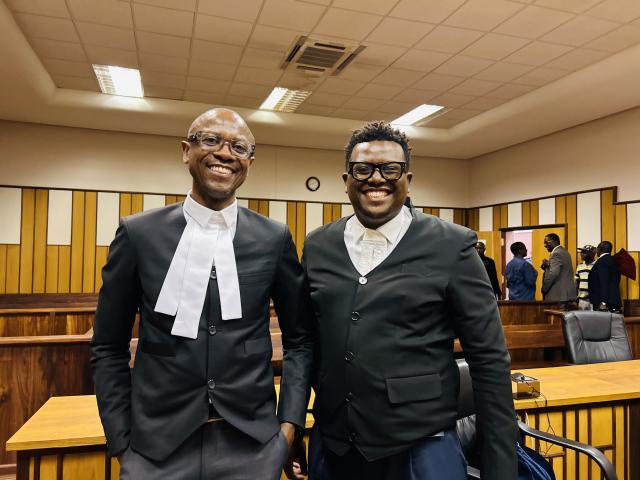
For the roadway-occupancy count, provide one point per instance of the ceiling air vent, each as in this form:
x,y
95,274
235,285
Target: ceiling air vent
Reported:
x,y
318,58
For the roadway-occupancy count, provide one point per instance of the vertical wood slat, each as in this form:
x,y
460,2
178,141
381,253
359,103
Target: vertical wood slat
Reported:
x,y
125,204
3,268
89,244
77,242
634,285
101,260
40,240
572,227
561,209
263,207
169,199
458,216
504,215
526,213
436,212
607,217
336,212
51,283
301,226
64,269
291,219
254,205
534,212
12,282
327,213
27,240
137,203
496,217
621,241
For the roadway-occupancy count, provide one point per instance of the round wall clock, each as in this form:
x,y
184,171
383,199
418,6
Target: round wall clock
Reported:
x,y
313,183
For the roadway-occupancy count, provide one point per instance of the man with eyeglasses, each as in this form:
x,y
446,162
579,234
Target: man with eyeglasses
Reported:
x,y
200,401
391,288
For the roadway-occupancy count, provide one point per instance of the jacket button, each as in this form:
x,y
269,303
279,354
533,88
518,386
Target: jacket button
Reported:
x,y
212,330
349,356
213,275
352,436
355,316
211,384
362,280
349,397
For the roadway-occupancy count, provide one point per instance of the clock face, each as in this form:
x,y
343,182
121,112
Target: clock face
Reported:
x,y
313,183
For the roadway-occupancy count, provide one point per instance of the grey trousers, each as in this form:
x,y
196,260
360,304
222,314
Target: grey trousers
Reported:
x,y
216,451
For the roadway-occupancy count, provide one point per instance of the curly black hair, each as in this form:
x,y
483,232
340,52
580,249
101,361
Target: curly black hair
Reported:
x,y
377,130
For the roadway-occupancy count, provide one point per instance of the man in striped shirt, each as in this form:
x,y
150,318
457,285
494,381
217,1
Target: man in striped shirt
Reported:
x,y
588,253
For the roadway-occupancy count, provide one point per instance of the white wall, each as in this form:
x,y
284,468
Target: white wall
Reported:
x,y
64,157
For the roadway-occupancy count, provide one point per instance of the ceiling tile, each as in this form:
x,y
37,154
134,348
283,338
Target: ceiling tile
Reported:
x,y
400,33
397,108
50,8
380,7
346,24
315,110
112,56
297,80
416,96
437,82
533,22
202,97
163,63
378,116
624,37
213,70
503,72
509,91
216,29
494,47
448,39
76,83
383,55
327,99
475,87
398,76
273,39
66,67
460,114
452,100
249,90
350,113
319,2
207,85
537,53
636,22
577,59
338,85
441,123
575,6
106,36
483,14
381,92
579,31
163,44
57,49
240,101
162,20
434,11
164,92
217,52
290,14
258,76
245,10
186,5
463,66
108,12
484,103
257,58
360,103
160,79
360,72
37,26
421,60
540,77
616,10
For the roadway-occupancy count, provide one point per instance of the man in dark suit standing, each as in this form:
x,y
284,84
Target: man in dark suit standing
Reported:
x,y
391,288
604,280
558,279
490,267
200,401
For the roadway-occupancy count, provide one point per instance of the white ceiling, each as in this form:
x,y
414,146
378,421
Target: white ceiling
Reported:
x,y
487,61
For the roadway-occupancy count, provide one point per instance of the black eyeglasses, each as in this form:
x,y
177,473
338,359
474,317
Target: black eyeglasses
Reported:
x,y
212,141
363,171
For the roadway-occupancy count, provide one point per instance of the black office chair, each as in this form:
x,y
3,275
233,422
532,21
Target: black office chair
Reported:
x,y
466,428
594,337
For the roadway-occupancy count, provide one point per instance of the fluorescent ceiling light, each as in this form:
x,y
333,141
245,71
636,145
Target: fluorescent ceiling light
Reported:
x,y
419,113
119,80
284,100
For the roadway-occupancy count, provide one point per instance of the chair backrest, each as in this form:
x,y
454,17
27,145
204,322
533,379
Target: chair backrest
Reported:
x,y
466,424
594,337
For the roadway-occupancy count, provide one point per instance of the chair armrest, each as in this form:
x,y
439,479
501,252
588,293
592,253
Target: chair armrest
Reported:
x,y
592,452
473,472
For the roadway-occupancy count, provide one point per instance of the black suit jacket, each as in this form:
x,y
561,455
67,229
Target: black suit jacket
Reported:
x,y
490,266
166,396
385,374
604,283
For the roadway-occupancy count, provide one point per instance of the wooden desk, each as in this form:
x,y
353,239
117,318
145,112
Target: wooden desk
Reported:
x,y
598,404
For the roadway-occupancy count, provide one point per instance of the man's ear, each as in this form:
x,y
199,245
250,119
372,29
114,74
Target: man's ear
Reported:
x,y
186,147
345,175
409,176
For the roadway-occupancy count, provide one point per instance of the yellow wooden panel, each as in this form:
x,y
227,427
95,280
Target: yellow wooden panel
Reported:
x,y
561,209
12,282
621,240
336,213
327,213
458,216
48,467
77,242
584,437
137,203
496,217
291,218
601,422
538,252
3,268
180,198
51,283
84,466
125,204
40,240
504,216
301,226
436,212
27,239
263,207
633,292
607,217
535,213
169,199
254,205
64,269
526,213
89,257
572,228
619,440
101,260
570,433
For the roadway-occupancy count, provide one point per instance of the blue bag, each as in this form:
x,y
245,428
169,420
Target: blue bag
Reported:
x,y
532,465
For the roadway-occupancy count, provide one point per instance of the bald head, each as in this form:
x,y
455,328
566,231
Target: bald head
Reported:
x,y
222,119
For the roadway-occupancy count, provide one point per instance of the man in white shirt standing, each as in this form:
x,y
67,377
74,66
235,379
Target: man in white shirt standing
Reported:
x,y
391,288
200,401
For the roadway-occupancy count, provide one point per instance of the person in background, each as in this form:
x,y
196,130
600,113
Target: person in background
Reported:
x,y
588,255
557,280
490,266
520,274
604,280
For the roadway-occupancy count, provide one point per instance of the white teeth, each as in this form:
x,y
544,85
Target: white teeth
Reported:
x,y
377,193
221,169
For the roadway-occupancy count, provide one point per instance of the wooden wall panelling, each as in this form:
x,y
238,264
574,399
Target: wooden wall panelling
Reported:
x,y
169,199
534,208
77,242
526,213
40,240
254,205
572,227
125,204
561,209
621,240
608,217
504,215
137,202
89,244
496,217
27,239
436,212
101,260
3,268
459,216
301,226
327,213
336,211
263,207
633,292
51,282
64,269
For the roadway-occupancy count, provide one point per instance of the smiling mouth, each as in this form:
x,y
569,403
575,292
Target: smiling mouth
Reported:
x,y
376,194
220,169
